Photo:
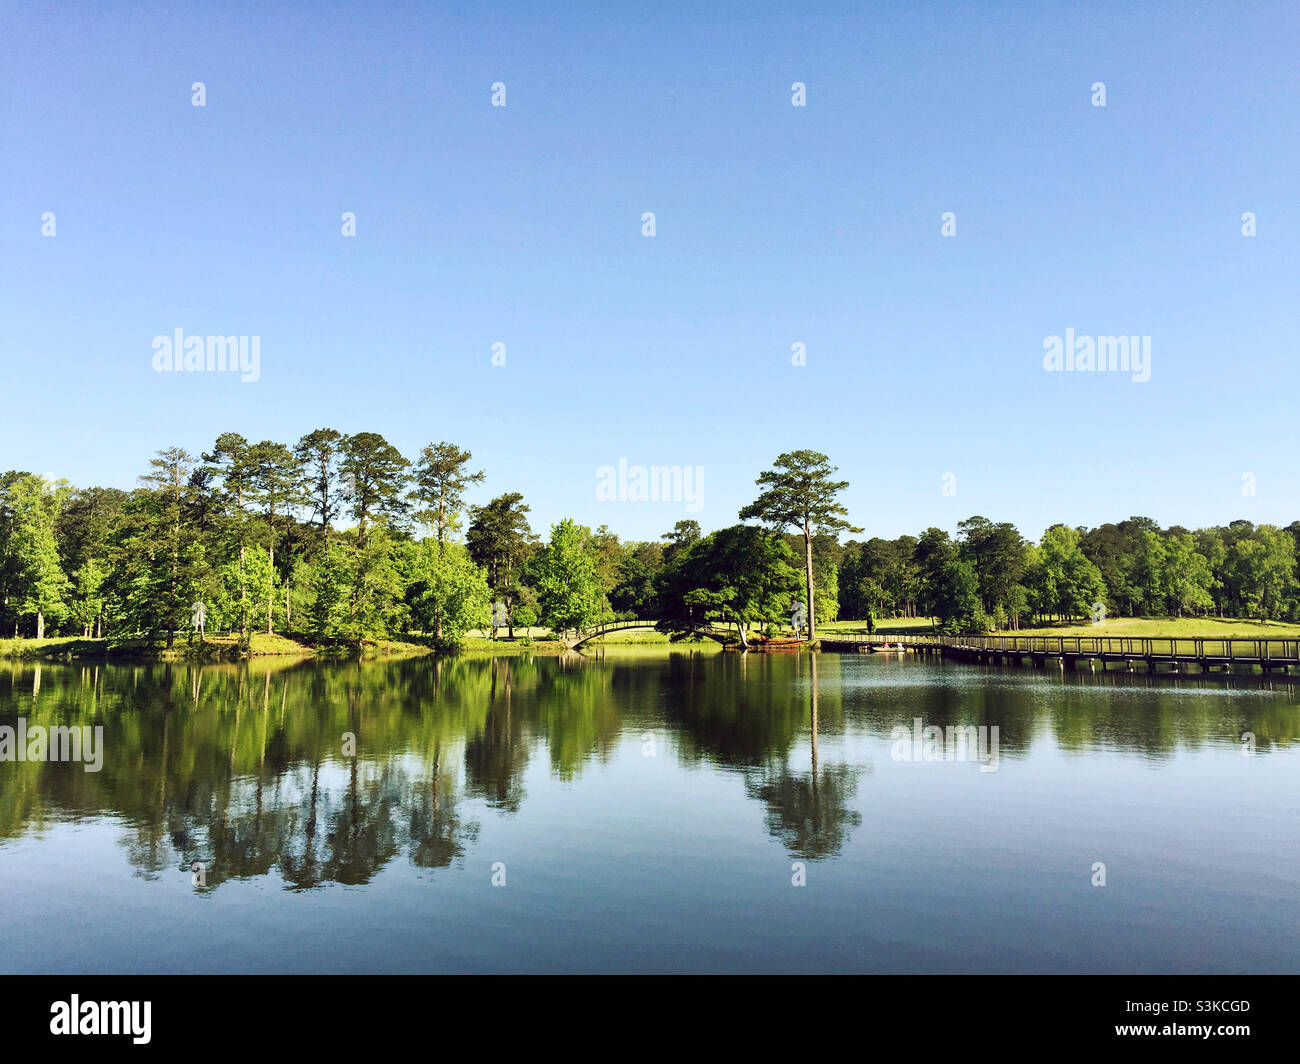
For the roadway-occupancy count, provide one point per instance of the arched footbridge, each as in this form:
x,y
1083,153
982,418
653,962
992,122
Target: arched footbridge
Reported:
x,y
574,640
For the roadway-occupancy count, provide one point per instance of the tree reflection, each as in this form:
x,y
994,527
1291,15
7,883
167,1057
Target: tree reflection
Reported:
x,y
809,812
247,769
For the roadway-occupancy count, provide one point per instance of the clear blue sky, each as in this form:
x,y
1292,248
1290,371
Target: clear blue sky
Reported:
x,y
775,225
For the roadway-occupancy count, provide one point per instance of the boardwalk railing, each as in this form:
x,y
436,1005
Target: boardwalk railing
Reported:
x,y
1070,648
1214,651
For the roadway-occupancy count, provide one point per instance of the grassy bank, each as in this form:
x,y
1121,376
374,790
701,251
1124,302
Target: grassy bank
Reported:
x,y
213,648
540,641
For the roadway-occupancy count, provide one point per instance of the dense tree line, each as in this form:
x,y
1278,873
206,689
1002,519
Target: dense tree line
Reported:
x,y
990,576
340,538
251,530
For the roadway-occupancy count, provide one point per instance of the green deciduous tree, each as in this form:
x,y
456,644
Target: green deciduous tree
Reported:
x,y
330,581
1263,569
1188,583
450,593
568,588
740,575
41,589
1065,582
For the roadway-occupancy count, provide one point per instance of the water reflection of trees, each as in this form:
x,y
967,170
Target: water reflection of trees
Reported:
x,y
809,813
243,768
1152,716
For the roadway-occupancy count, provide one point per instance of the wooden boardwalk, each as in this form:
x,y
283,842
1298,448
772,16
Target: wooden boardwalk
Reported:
x,y
1269,655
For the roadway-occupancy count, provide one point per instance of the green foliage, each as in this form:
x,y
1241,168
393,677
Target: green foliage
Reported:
x,y
798,491
377,605
318,454
258,581
565,577
330,581
634,594
450,590
997,554
441,480
88,598
500,540
740,575
826,581
1065,583
249,531
375,474
40,587
1261,570
956,597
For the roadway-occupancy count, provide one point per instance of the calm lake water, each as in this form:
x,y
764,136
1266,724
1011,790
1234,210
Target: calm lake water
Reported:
x,y
649,812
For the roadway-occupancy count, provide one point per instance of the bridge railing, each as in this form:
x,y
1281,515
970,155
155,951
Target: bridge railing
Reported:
x,y
582,635
612,626
1156,647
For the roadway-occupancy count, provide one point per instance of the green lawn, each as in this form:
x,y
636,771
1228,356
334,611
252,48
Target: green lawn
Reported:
x,y
891,626
30,649
502,647
215,647
1186,627
541,641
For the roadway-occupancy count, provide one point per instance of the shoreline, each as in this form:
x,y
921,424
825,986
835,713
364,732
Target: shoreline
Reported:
x,y
226,649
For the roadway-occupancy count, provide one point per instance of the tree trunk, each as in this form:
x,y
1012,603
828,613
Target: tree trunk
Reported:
x,y
437,608
808,571
510,605
270,591
40,625
243,589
